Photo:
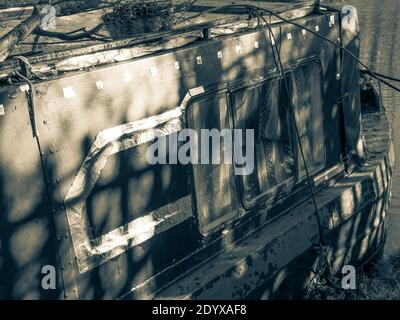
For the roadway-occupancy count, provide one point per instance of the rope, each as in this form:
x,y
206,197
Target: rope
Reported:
x,y
31,105
278,62
27,64
279,65
271,13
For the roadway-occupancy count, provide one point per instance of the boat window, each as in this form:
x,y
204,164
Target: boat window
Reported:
x,y
305,87
214,183
265,109
259,108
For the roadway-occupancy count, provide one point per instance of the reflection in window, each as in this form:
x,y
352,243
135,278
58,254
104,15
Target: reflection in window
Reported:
x,y
265,108
305,88
260,108
213,182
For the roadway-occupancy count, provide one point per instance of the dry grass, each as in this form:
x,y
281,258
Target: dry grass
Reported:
x,y
382,282
133,17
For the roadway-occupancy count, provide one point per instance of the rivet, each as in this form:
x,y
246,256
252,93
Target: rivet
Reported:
x,y
289,36
153,71
99,85
219,54
256,45
317,28
199,60
2,111
338,76
69,92
44,121
51,151
177,66
304,32
272,40
127,77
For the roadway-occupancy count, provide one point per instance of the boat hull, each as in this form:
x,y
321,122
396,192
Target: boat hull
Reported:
x,y
281,259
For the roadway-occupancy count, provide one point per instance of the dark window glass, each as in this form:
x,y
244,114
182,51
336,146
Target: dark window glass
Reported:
x,y
265,109
306,93
214,183
260,108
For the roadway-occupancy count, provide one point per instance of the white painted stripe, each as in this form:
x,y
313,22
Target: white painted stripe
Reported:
x,y
91,252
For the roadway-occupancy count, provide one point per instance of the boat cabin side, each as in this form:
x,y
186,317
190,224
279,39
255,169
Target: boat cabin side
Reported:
x,y
83,196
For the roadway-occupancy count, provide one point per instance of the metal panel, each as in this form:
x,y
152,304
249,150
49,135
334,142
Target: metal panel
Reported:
x,y
27,241
72,111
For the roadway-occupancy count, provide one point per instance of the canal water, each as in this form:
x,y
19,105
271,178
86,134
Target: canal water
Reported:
x,y
380,49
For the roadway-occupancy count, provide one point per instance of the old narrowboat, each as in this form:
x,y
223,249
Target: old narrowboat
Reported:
x,y
78,115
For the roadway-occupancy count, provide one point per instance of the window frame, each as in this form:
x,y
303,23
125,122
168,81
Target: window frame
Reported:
x,y
291,186
217,224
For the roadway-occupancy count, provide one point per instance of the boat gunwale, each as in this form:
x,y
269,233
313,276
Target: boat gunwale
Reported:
x,y
12,64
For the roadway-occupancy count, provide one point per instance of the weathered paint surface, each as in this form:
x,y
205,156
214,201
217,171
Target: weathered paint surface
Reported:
x,y
70,113
353,212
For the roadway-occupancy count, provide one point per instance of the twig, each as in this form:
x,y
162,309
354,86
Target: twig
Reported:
x,y
68,37
18,34
25,28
